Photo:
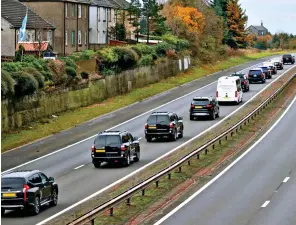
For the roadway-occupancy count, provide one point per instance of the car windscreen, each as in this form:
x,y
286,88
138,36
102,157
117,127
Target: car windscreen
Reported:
x,y
200,101
107,140
12,183
255,72
287,56
265,68
158,119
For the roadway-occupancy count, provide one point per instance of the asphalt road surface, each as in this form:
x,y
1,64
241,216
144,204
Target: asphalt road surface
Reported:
x,y
258,190
76,176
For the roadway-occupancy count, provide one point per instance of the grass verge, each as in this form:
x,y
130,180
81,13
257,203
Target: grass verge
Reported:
x,y
197,169
66,120
171,158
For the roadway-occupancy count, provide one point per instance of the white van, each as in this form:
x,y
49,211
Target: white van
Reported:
x,y
229,89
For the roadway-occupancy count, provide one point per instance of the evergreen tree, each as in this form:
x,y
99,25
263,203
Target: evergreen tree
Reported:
x,y
134,14
236,20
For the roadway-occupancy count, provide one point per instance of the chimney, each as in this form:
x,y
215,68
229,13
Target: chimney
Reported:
x,y
261,23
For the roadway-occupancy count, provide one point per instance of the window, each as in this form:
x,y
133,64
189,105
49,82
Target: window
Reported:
x,y
79,37
43,177
99,14
35,179
125,138
85,38
66,38
66,9
107,140
12,183
73,10
130,137
104,14
49,37
79,11
73,38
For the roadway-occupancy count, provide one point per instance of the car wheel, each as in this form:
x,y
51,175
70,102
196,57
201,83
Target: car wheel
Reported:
x,y
36,206
213,116
175,135
181,133
127,160
97,164
248,88
137,157
2,211
218,113
191,117
54,200
149,139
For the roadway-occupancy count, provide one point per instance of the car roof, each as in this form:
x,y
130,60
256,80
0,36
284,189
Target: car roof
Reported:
x,y
258,68
112,132
160,113
208,98
20,174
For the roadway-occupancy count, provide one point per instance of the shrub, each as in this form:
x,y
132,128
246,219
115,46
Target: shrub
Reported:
x,y
47,75
84,75
107,72
36,74
7,84
107,55
26,84
143,49
70,71
162,48
11,66
171,39
69,62
57,68
127,57
172,54
146,60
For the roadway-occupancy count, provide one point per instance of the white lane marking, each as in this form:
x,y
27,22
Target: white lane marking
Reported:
x,y
155,160
286,179
226,169
69,146
139,138
265,204
76,168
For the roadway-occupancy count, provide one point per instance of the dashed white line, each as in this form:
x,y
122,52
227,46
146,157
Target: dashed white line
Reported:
x,y
76,168
265,204
286,179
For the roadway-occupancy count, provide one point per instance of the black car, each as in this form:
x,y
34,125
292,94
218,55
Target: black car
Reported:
x,y
244,81
256,75
27,190
267,71
164,124
204,106
115,147
288,58
279,65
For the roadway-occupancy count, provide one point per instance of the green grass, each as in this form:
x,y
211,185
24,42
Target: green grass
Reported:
x,y
46,127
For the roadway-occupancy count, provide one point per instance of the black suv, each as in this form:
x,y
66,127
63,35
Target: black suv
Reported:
x,y
115,147
164,124
288,58
29,189
267,71
244,81
204,106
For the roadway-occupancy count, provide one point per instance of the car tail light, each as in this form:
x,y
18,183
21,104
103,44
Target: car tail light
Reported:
x,y
192,106
236,94
217,94
249,75
146,126
262,75
171,125
209,106
25,189
245,82
123,148
93,148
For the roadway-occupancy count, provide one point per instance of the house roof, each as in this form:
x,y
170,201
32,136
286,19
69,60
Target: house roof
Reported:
x,y
74,1
14,12
32,46
262,28
103,3
119,3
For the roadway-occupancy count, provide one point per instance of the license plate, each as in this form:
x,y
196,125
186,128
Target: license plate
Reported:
x,y
198,107
152,127
10,195
100,150
226,97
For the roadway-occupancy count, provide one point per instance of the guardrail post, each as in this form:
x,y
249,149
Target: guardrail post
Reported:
x,y
220,142
231,134
197,156
169,176
226,137
156,183
213,146
128,201
188,162
92,222
111,212
206,151
180,169
143,192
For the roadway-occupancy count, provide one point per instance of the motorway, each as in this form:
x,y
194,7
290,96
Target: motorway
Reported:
x,y
258,190
77,177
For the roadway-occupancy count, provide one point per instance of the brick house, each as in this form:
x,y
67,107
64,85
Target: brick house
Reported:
x,y
71,19
12,15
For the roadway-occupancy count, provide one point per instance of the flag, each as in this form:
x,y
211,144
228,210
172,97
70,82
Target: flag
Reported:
x,y
22,35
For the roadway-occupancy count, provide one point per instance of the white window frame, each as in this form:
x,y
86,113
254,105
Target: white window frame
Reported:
x,y
104,14
66,10
79,11
85,38
66,38
79,37
99,14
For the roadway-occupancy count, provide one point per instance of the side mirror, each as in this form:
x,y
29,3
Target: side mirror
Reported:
x,y
180,118
51,179
136,138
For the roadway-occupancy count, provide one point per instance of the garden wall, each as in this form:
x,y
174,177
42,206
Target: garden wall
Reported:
x,y
20,112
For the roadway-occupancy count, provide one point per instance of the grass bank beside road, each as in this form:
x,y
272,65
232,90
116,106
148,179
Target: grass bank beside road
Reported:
x,y
66,120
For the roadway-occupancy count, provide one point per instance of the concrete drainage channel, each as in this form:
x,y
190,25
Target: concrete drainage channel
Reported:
x,y
249,114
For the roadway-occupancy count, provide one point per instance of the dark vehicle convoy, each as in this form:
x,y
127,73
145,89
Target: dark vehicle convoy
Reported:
x,y
288,58
204,106
27,190
256,75
164,124
244,81
115,147
267,71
